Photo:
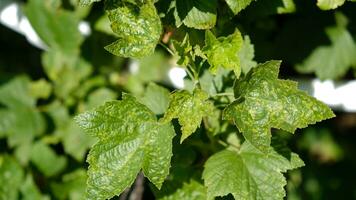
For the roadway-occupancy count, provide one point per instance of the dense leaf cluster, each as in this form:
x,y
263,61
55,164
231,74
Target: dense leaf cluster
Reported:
x,y
213,138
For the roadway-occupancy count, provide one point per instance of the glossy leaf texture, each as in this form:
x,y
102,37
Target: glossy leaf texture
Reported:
x,y
263,102
223,51
249,173
137,26
130,139
189,109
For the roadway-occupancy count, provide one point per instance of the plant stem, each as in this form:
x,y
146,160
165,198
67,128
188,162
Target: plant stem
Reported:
x,y
167,48
223,94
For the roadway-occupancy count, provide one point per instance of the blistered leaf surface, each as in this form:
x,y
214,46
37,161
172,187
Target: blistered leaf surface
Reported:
x,y
130,138
223,51
263,102
189,109
138,28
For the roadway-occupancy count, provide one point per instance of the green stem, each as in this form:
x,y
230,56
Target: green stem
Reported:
x,y
223,94
167,48
223,143
190,71
191,76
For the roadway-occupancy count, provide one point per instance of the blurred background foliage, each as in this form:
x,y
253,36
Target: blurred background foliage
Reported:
x,y
42,151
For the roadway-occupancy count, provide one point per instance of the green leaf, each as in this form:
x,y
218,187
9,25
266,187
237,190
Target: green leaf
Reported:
x,y
248,173
246,55
138,28
23,152
16,93
333,61
11,177
99,97
223,51
17,99
156,98
75,142
71,187
57,27
184,51
329,4
30,191
191,190
87,2
287,7
189,109
46,160
40,89
66,71
237,5
263,102
130,138
198,14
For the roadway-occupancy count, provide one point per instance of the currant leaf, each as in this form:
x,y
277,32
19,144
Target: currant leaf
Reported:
x,y
223,51
248,173
237,5
191,190
130,138
329,4
198,14
11,177
156,98
333,61
189,109
246,55
138,28
183,51
263,102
